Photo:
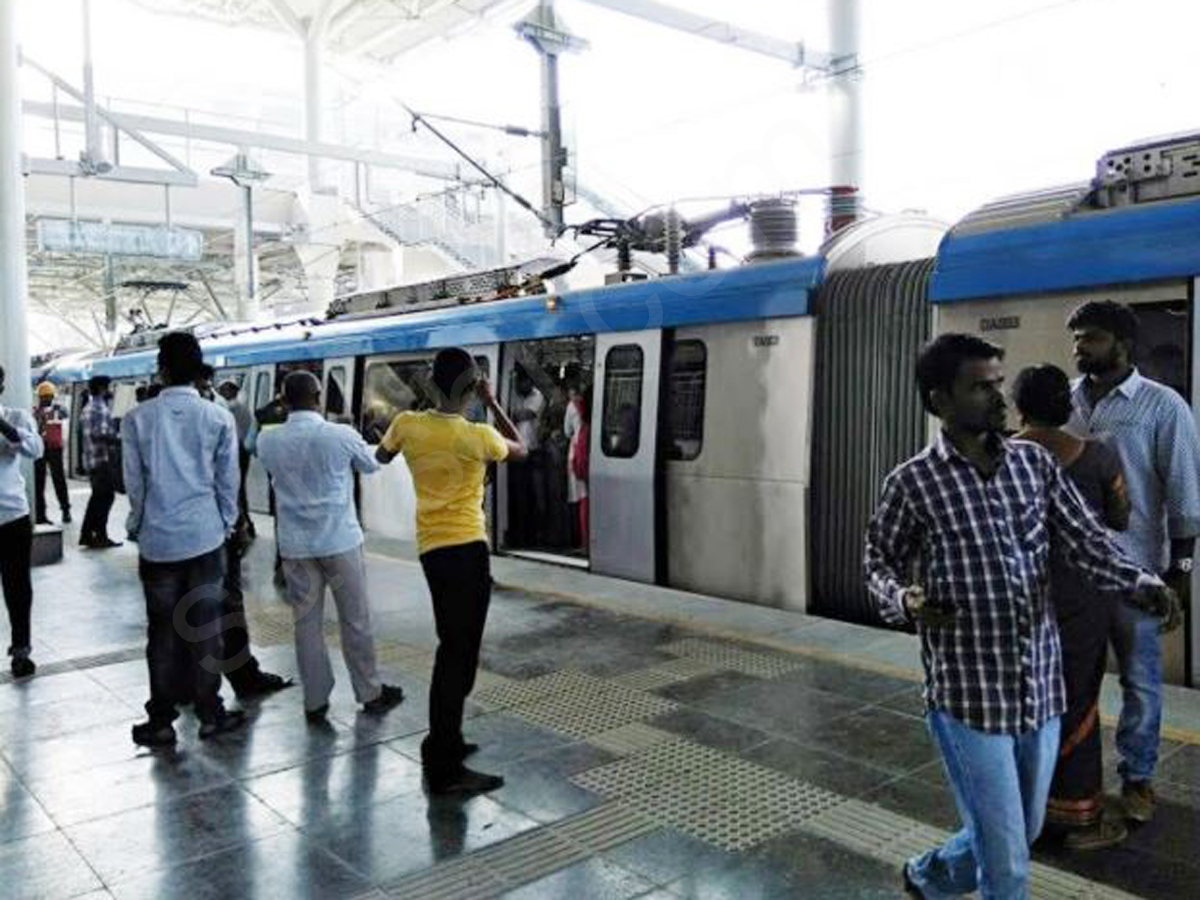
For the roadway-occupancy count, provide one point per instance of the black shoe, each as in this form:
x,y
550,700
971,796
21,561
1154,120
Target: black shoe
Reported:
x,y
317,716
462,781
261,684
150,734
910,889
42,520
66,517
466,749
105,543
229,720
23,667
389,696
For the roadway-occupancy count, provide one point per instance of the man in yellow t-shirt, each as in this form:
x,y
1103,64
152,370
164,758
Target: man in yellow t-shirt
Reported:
x,y
448,457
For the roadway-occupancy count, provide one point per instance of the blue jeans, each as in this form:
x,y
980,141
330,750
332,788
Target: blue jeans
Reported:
x,y
1000,784
1135,639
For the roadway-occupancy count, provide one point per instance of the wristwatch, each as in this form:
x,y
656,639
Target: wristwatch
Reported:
x,y
1182,565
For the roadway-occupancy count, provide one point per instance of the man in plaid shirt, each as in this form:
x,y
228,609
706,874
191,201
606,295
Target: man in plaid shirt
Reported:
x,y
99,439
959,545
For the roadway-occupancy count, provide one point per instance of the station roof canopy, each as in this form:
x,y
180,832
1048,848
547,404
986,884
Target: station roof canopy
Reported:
x,y
380,29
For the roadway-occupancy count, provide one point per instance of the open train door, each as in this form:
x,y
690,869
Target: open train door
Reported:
x,y
623,460
258,392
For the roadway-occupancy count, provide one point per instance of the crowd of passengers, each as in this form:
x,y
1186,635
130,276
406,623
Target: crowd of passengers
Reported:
x,y
1019,558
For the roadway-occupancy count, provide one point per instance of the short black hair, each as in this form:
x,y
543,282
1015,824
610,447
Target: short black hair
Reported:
x,y
98,384
941,358
180,357
1043,395
207,372
1115,318
453,373
300,387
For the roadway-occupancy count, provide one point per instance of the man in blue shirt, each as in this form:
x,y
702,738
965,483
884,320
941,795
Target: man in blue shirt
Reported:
x,y
312,464
1152,429
18,440
180,463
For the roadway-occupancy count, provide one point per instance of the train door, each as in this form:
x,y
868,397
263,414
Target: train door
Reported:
x,y
338,390
394,384
259,391
540,502
622,488
1033,330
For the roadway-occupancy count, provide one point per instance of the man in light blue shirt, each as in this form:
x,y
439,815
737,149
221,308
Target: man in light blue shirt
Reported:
x,y
180,465
312,464
18,441
1154,431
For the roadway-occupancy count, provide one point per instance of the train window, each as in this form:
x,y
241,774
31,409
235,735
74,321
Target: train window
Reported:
x,y
686,373
335,393
622,423
394,387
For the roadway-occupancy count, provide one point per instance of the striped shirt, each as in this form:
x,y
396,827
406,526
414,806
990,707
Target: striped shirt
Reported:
x,y
99,431
1152,429
980,547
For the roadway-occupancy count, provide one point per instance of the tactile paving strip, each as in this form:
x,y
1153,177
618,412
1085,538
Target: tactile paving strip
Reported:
x,y
526,857
530,690
726,656
672,671
891,838
726,801
631,738
78,663
581,714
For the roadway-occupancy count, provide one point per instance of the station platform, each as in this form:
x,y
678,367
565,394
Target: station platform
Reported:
x,y
656,744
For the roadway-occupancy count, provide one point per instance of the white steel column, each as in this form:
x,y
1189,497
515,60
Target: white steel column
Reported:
x,y
14,286
245,263
846,111
313,60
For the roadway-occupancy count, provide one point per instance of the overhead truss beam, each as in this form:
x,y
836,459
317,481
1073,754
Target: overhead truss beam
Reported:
x,y
235,137
673,17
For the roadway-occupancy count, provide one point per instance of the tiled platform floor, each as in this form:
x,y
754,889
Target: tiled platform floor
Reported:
x,y
649,753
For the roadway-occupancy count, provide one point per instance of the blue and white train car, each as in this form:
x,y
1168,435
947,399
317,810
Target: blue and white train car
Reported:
x,y
1014,271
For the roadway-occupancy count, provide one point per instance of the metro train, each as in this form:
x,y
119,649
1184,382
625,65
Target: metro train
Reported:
x,y
744,418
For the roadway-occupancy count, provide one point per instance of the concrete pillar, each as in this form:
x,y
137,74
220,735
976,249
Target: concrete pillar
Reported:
x,y
846,112
320,262
14,282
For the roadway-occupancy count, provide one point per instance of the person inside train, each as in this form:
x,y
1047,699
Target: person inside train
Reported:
x,y
230,394
19,441
100,459
959,547
527,506
239,665
1152,429
312,463
271,415
1076,809
204,384
448,457
180,462
577,428
50,417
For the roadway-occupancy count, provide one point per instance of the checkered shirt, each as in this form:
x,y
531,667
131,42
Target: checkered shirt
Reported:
x,y
98,431
980,547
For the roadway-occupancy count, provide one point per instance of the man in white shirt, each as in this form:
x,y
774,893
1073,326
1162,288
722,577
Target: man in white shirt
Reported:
x,y
312,464
18,439
180,463
526,488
